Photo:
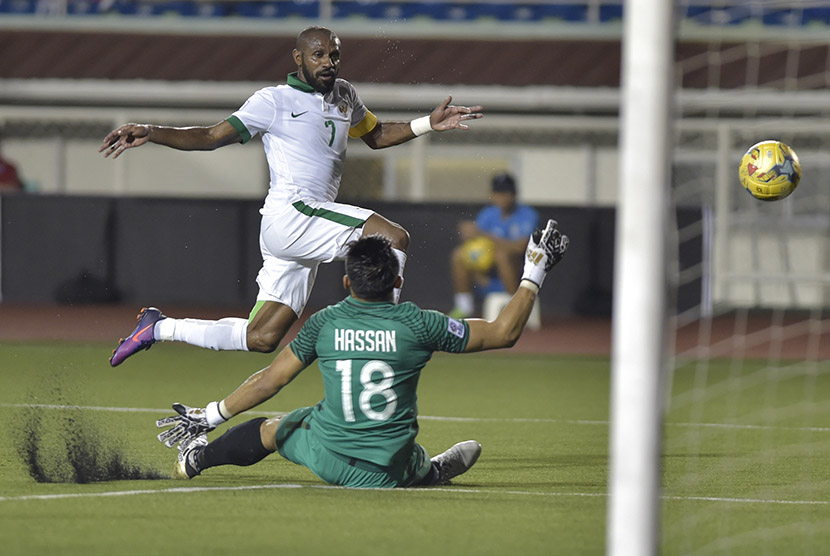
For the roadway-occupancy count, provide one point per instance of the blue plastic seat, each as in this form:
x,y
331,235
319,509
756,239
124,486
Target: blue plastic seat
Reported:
x,y
563,12
351,8
278,9
610,12
17,6
813,16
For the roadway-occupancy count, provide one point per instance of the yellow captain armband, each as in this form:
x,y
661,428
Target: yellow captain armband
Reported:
x,y
367,124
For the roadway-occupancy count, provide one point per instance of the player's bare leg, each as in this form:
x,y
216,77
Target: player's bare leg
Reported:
x,y
269,326
377,224
263,333
506,267
268,433
462,282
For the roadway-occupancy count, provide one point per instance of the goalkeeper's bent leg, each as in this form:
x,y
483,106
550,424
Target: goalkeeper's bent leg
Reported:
x,y
225,334
240,445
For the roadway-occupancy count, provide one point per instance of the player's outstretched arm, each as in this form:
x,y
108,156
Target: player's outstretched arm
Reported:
x,y
544,250
259,387
446,116
196,138
264,384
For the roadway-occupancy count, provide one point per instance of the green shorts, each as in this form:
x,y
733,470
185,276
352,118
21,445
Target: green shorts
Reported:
x,y
297,442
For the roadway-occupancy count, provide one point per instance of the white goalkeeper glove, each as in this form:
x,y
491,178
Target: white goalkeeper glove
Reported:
x,y
189,423
545,249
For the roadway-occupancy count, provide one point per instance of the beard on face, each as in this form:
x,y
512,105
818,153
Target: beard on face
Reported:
x,y
318,85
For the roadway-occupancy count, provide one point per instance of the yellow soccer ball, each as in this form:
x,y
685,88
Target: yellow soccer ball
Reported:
x,y
478,254
770,170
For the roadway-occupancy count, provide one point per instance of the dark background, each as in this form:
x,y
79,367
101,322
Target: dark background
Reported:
x,y
157,251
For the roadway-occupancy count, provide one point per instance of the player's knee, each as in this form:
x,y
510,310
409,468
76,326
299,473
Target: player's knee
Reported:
x,y
268,432
264,341
388,229
399,237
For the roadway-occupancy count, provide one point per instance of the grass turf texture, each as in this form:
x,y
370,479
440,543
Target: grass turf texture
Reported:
x,y
507,502
539,487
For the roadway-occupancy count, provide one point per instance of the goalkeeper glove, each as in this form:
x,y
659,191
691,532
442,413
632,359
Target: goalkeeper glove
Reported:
x,y
189,423
544,250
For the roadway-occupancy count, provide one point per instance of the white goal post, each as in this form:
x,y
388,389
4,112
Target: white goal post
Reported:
x,y
640,288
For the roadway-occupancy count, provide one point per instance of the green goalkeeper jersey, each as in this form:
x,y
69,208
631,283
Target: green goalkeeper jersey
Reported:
x,y
371,356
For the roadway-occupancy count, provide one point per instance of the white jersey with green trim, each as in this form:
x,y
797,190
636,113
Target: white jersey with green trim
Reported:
x,y
304,134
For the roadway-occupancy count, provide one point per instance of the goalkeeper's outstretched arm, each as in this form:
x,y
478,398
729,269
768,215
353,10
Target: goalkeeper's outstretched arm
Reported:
x,y
544,250
259,387
263,385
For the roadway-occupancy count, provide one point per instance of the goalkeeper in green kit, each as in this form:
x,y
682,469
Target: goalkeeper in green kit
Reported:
x,y
370,352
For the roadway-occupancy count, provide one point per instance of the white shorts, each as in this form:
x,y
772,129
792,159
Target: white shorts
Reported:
x,y
296,239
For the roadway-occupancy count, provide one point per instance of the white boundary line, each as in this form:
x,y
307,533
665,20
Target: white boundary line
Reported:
x,y
186,490
190,490
732,426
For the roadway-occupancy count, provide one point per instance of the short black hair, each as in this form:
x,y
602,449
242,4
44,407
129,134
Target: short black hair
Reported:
x,y
372,268
504,183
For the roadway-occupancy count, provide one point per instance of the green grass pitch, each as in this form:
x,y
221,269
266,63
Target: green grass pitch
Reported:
x,y
540,486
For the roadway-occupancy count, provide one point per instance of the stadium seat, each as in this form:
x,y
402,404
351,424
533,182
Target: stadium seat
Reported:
x,y
500,11
495,302
278,9
814,16
195,9
144,9
357,9
704,14
786,17
17,6
563,12
610,13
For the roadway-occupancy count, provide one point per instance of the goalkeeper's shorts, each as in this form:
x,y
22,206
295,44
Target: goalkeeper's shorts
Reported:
x,y
297,442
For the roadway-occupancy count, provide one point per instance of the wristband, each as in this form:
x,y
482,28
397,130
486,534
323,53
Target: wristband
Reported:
x,y
224,411
214,415
420,126
534,274
527,284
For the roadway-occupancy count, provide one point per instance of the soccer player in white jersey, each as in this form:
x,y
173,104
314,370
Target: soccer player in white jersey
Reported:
x,y
305,125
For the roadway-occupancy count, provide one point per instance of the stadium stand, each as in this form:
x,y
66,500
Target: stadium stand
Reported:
x,y
700,12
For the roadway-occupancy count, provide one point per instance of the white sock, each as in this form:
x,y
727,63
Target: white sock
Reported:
x,y
464,302
225,334
401,263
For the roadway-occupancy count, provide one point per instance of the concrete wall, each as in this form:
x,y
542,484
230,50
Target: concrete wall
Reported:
x,y
579,175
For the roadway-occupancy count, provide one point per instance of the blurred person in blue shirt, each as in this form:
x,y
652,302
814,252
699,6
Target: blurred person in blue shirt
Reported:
x,y
486,260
